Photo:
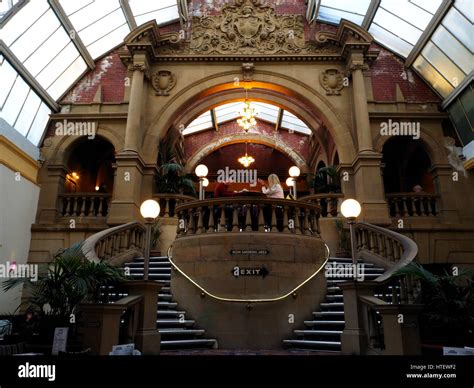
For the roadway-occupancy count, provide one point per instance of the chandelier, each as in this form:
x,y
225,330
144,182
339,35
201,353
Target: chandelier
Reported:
x,y
247,115
246,160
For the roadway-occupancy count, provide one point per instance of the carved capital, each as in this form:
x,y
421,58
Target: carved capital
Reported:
x,y
138,67
358,66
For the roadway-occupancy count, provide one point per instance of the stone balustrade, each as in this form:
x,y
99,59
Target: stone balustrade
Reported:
x,y
247,214
169,202
84,204
329,202
412,204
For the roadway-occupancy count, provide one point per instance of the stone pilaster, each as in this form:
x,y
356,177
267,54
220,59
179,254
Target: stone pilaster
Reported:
x,y
49,194
127,194
447,206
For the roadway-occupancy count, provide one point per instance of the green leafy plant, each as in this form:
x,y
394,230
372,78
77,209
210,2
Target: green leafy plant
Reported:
x,y
171,178
448,300
69,280
326,180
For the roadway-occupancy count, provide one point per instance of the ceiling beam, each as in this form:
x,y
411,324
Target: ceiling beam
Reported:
x,y
127,11
28,77
370,15
429,30
76,40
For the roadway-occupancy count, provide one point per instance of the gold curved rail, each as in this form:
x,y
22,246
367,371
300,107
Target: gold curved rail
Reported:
x,y
246,300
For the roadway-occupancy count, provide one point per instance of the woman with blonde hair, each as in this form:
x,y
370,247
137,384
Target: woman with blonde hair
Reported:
x,y
274,189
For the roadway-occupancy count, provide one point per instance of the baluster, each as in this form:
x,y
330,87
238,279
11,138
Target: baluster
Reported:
x,y
285,219
223,226
306,229
297,220
212,221
200,226
383,247
409,283
167,207
376,243
179,230
101,206
248,218
192,222
235,219
261,219
389,243
274,220
82,211
316,220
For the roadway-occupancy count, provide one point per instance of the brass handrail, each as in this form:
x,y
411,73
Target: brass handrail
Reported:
x,y
232,300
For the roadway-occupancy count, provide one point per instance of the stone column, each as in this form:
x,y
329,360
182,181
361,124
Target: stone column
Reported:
x,y
368,182
133,131
361,113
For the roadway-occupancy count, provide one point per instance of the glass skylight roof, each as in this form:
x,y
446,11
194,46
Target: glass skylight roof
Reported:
x,y
266,112
43,42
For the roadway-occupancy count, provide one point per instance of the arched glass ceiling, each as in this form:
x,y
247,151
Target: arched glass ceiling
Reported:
x,y
227,112
52,43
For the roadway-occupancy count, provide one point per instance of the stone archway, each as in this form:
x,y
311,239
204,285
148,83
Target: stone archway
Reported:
x,y
299,98
254,138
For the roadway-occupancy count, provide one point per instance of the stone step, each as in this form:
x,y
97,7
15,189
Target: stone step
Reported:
x,y
162,271
318,332
324,323
168,323
332,305
325,314
178,331
331,298
189,343
332,344
167,304
164,297
163,259
171,313
152,265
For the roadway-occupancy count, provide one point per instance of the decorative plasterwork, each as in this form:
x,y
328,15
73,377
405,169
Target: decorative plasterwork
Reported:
x,y
247,30
163,82
332,80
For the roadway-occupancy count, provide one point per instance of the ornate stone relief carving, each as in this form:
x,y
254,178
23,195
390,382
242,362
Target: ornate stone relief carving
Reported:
x,y
332,80
248,27
248,69
163,82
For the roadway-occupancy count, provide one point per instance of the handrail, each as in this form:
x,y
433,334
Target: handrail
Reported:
x,y
129,301
174,196
249,301
412,195
114,241
385,244
412,204
246,201
319,196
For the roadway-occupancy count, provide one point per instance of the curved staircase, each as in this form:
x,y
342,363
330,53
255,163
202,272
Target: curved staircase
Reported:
x,y
177,331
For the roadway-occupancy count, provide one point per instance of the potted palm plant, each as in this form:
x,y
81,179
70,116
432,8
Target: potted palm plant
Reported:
x,y
52,300
448,299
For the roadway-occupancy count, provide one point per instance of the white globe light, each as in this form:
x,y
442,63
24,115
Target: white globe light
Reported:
x,y
290,182
295,172
350,209
205,182
150,209
201,171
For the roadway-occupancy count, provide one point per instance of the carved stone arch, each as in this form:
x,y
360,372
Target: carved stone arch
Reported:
x,y
240,138
64,147
312,106
435,151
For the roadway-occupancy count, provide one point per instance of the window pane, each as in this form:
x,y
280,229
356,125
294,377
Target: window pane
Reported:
x,y
466,7
453,49
443,64
7,79
390,41
15,101
163,11
432,76
64,82
39,124
460,27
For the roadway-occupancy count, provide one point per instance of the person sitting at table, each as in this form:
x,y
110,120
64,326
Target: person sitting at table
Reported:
x,y
222,191
274,190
